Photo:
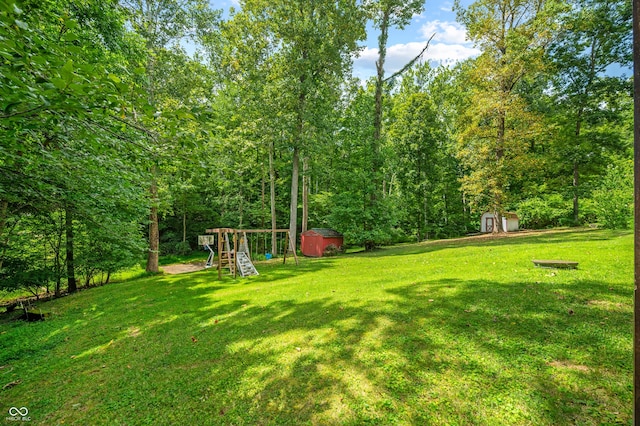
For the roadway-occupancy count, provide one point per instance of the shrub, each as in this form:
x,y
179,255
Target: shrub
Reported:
x,y
613,201
183,248
332,250
544,212
20,274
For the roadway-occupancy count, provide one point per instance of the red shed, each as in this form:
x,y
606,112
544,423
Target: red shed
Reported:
x,y
314,241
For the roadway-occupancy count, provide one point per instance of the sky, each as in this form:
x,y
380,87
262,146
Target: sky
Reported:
x,y
447,47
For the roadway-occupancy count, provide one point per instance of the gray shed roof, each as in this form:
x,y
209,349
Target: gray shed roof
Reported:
x,y
326,232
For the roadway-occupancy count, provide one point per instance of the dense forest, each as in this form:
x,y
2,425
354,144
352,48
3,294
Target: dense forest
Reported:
x,y
118,144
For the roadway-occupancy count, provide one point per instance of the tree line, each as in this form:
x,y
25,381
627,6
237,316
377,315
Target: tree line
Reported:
x,y
116,143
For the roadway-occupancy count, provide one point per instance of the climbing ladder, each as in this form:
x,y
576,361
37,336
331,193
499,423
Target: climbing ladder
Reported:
x,y
245,266
227,256
234,253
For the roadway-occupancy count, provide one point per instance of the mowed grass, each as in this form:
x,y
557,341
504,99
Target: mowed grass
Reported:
x,y
454,332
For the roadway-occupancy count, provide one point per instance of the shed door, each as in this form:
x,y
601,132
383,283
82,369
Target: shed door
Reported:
x,y
488,224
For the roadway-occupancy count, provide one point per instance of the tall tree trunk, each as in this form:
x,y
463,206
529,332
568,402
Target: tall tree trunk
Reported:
x,y
4,209
71,270
293,212
382,52
499,189
272,200
576,172
262,198
305,193
154,230
184,225
576,202
57,268
295,168
376,162
241,213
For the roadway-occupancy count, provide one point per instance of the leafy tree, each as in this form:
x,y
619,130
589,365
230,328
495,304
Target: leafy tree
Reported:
x,y
162,24
59,92
513,35
416,136
347,201
421,140
385,14
596,35
303,51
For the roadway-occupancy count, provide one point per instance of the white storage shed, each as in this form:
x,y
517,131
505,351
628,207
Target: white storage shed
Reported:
x,y
488,223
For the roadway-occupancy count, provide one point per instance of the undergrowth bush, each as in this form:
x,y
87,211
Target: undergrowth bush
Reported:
x,y
613,201
545,212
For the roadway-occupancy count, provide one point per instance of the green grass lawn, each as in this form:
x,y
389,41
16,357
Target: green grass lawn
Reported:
x,y
453,332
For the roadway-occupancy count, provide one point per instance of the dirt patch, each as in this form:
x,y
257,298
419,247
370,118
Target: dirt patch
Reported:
x,y
605,304
516,234
183,268
568,365
134,331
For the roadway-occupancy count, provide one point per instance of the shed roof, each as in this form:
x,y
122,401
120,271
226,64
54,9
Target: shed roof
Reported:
x,y
325,232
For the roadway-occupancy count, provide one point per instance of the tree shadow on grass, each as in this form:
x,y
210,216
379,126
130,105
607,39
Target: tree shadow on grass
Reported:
x,y
268,271
434,352
456,352
437,352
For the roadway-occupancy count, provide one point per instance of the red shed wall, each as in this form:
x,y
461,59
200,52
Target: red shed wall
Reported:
x,y
311,245
336,241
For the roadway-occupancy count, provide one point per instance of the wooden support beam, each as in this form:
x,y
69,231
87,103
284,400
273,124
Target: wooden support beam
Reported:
x,y
248,231
230,259
219,255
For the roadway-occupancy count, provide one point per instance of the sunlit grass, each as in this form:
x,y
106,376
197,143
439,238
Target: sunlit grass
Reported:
x,y
452,332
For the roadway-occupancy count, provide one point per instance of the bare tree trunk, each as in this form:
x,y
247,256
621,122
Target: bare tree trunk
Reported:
x,y
499,189
377,119
154,231
71,271
184,225
56,245
241,208
262,197
293,212
576,206
272,189
576,174
305,193
4,208
295,169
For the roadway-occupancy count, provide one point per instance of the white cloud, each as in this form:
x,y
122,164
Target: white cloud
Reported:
x,y
399,55
447,6
442,52
446,32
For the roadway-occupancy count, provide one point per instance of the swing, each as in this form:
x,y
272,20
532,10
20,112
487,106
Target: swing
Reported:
x,y
246,244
